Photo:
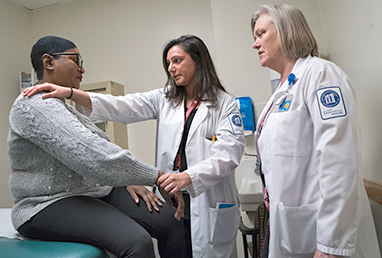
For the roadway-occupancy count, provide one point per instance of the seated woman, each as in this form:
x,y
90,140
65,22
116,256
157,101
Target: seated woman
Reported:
x,y
69,181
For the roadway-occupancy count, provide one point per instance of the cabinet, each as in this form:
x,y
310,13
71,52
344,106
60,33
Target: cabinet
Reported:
x,y
116,131
27,79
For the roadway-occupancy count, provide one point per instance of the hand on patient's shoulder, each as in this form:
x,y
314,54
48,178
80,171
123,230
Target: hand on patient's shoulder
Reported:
x,y
54,91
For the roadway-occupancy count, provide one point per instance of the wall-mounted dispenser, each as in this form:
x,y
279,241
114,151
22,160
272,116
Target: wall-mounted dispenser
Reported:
x,y
247,114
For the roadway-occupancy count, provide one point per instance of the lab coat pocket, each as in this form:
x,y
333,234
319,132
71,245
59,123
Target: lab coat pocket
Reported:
x,y
207,146
298,228
224,224
291,133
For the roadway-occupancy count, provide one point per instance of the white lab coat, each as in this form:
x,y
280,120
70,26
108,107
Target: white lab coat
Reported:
x,y
211,165
310,157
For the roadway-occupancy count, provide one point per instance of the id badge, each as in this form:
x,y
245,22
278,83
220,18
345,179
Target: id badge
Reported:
x,y
286,103
279,103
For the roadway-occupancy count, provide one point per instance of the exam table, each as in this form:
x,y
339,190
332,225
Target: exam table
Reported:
x,y
13,245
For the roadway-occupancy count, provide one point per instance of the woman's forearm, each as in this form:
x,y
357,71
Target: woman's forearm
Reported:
x,y
82,98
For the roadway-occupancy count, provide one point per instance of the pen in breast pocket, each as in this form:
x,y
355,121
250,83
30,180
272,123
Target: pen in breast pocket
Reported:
x,y
213,138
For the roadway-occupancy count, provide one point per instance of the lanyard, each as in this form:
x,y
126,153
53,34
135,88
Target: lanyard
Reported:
x,y
265,118
278,100
178,157
291,81
257,135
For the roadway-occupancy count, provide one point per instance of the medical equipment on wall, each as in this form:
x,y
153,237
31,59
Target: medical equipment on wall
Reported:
x,y
247,114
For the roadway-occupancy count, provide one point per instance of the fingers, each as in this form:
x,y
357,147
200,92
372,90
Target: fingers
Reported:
x,y
48,95
175,189
131,191
180,209
179,213
173,183
162,178
171,188
33,90
151,200
169,183
169,203
148,203
28,92
55,90
166,197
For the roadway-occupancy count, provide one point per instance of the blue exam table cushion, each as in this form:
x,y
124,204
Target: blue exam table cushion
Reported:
x,y
16,248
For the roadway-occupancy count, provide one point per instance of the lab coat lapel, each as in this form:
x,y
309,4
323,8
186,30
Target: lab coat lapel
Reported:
x,y
175,123
200,116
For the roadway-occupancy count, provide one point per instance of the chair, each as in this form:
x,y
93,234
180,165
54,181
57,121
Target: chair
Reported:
x,y
249,231
257,232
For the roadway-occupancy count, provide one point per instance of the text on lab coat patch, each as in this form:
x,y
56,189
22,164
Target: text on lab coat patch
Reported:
x,y
330,102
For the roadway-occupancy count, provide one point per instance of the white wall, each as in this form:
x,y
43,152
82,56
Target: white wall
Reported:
x,y
353,33
14,56
122,40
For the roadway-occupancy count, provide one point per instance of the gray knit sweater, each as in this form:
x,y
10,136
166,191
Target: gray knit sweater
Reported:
x,y
56,152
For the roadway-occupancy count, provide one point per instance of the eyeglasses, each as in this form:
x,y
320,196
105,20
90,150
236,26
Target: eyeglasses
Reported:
x,y
79,62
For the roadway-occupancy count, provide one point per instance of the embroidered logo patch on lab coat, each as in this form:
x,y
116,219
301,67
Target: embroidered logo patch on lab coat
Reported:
x,y
236,123
331,103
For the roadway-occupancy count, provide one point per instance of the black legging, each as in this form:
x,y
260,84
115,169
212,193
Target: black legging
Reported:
x,y
114,223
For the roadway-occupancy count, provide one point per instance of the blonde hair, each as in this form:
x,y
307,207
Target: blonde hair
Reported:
x,y
296,38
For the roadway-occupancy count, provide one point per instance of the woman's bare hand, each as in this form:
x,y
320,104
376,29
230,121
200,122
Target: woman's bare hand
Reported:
x,y
54,91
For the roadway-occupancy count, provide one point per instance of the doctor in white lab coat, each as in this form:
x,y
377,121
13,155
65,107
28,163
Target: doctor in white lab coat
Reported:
x,y
213,147
308,140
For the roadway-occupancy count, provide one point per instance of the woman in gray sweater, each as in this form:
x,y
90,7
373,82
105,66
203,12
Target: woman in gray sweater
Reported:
x,y
69,182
